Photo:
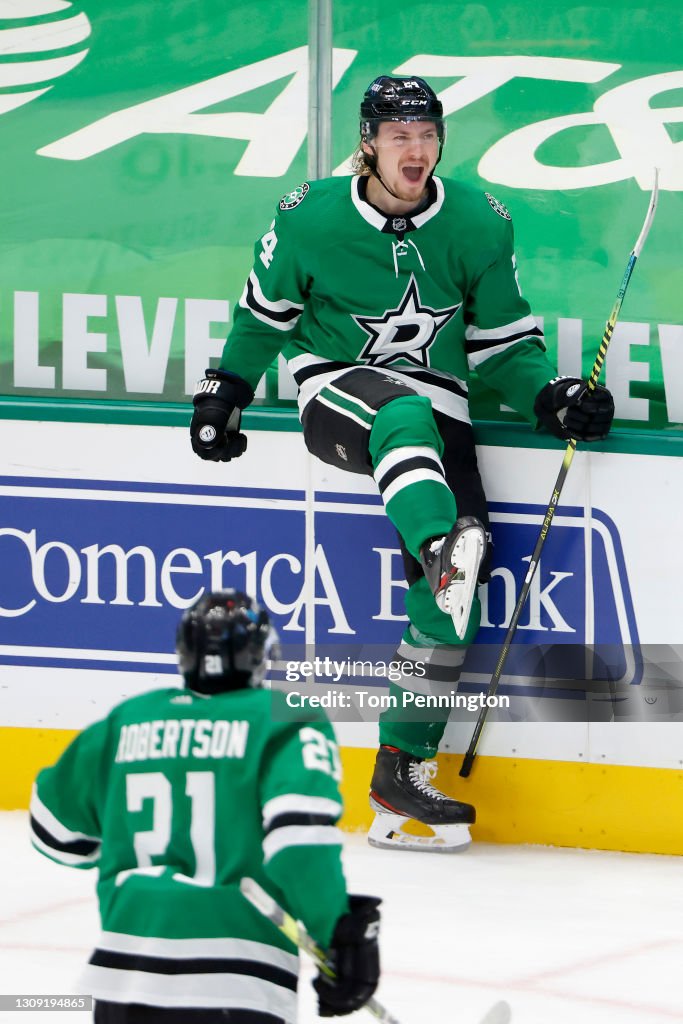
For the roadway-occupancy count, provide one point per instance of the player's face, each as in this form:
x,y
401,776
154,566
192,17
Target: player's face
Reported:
x,y
407,152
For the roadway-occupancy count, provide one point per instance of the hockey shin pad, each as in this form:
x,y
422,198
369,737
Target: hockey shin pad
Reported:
x,y
405,447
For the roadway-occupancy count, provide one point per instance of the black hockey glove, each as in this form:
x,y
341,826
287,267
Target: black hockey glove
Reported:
x,y
215,426
354,957
567,408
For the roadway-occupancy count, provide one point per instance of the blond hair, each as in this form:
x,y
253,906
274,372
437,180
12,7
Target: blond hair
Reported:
x,y
359,161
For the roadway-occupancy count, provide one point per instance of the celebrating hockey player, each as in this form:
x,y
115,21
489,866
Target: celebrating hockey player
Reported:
x,y
175,796
386,291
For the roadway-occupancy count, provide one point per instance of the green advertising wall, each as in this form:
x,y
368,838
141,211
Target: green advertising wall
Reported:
x,y
145,145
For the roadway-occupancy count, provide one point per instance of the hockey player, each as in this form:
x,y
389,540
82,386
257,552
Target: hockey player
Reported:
x,y
385,292
175,796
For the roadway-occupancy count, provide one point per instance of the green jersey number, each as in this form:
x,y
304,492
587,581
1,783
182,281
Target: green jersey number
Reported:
x,y
200,787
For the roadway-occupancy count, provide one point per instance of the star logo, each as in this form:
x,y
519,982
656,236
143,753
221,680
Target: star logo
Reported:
x,y
407,332
296,196
499,207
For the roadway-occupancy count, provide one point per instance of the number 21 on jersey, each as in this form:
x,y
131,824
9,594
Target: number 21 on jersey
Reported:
x,y
320,753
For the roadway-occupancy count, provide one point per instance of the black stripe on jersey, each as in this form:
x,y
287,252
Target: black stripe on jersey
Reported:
x,y
299,818
435,381
79,847
280,317
121,1013
313,371
404,375
440,673
194,965
479,346
407,466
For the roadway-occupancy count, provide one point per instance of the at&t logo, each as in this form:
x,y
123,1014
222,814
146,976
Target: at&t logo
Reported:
x,y
33,54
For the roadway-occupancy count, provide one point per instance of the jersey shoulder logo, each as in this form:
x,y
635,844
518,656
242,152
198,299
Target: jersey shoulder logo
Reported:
x,y
496,205
296,196
406,332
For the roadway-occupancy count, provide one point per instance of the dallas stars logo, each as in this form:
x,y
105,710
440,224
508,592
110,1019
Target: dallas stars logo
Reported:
x,y
406,332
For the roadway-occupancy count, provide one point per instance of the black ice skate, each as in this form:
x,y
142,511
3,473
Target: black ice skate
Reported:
x,y
451,565
400,791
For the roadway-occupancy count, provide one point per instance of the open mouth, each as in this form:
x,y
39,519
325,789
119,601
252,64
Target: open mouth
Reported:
x,y
413,173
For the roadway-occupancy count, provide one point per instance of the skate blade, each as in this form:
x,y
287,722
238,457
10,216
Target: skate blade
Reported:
x,y
467,553
387,833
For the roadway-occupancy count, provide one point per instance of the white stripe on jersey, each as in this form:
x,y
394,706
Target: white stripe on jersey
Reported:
x,y
442,400
416,476
300,835
344,412
449,378
499,339
378,220
431,211
297,803
352,398
475,359
54,826
72,860
205,949
306,359
399,455
474,333
277,306
236,991
443,655
367,212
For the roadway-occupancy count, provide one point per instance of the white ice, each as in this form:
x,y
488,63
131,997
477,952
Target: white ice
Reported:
x,y
565,936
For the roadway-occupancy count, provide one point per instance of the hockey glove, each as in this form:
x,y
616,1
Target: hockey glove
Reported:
x,y
215,426
568,408
354,957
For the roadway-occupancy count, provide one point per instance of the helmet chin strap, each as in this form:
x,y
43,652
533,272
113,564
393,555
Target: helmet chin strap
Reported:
x,y
372,164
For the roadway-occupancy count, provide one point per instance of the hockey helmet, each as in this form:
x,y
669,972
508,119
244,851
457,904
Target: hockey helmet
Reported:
x,y
223,641
400,98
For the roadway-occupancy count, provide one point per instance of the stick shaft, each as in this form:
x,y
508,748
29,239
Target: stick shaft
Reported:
x,y
297,934
470,753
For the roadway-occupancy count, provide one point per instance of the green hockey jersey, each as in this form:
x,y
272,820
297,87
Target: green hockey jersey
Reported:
x,y
338,283
175,797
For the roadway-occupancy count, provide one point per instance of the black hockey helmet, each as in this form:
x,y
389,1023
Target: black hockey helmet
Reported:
x,y
222,642
399,98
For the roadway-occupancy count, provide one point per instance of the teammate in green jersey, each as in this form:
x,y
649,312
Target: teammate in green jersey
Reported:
x,y
385,292
175,796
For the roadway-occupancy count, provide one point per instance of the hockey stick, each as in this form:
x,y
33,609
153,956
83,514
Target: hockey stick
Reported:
x,y
296,933
468,759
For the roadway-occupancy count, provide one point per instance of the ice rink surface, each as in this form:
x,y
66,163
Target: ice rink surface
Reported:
x,y
565,936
